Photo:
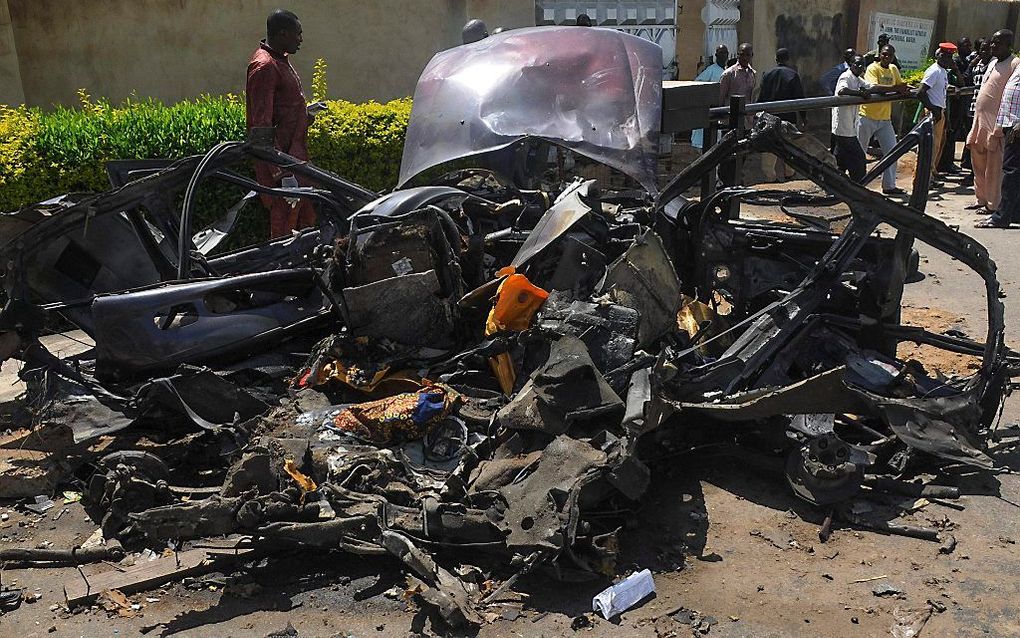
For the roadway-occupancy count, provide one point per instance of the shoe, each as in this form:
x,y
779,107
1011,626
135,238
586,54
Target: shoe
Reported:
x,y
988,223
974,207
893,191
937,183
952,169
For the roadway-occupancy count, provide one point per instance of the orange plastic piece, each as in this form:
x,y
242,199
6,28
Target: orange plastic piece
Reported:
x,y
503,367
306,483
517,301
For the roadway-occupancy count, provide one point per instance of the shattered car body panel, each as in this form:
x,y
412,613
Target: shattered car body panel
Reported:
x,y
61,260
597,92
195,321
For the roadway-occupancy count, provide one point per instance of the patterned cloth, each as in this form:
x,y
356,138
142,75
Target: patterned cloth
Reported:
x,y
404,417
1009,108
978,75
737,80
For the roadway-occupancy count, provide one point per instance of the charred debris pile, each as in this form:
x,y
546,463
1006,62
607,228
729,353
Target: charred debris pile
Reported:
x,y
469,378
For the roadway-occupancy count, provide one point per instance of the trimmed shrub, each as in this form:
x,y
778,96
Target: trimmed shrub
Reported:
x,y
21,178
46,153
914,76
361,142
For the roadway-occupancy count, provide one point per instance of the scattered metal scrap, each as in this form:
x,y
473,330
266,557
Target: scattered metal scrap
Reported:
x,y
469,376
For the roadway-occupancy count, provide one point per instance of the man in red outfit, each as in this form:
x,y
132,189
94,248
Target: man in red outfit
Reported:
x,y
274,100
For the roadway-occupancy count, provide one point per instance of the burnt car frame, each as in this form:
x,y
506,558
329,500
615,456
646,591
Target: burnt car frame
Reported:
x,y
602,373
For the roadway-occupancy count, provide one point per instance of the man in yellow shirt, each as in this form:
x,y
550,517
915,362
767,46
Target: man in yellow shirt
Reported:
x,y
876,119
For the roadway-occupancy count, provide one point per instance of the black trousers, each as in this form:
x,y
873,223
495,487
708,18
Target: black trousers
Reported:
x,y
849,157
1009,204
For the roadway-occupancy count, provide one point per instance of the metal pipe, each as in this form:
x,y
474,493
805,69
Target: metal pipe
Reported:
x,y
827,101
738,123
74,556
709,140
915,490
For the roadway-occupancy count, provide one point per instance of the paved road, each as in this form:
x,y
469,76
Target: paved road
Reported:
x,y
63,345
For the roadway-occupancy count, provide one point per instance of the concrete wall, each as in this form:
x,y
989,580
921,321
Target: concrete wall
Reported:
x,y
953,18
961,19
690,38
928,9
509,14
11,91
815,32
174,49
375,49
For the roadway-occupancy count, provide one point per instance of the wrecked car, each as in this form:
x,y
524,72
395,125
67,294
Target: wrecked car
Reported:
x,y
475,369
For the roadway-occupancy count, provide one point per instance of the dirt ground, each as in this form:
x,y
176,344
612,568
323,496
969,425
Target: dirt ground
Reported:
x,y
725,539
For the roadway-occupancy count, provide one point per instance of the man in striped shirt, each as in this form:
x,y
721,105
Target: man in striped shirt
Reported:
x,y
978,65
739,79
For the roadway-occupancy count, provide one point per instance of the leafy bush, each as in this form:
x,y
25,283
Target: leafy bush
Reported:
x,y
20,180
361,142
913,77
46,153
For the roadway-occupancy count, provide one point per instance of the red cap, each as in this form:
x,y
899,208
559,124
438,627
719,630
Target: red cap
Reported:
x,y
947,46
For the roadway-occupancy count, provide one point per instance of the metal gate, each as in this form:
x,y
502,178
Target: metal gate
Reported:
x,y
653,20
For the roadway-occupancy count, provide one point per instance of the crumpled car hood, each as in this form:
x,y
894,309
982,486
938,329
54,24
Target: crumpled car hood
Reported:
x,y
595,91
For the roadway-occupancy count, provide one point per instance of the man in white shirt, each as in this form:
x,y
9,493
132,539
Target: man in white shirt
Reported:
x,y
849,154
932,93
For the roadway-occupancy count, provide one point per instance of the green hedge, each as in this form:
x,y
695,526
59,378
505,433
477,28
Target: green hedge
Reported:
x,y
46,153
914,76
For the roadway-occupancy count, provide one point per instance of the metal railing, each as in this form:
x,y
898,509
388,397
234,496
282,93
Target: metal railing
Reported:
x,y
825,101
736,112
920,136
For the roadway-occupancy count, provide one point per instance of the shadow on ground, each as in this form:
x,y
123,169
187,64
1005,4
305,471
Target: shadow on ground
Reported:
x,y
284,580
